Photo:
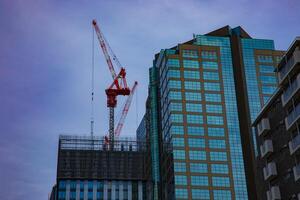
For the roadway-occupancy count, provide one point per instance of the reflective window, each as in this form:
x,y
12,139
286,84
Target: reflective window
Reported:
x,y
190,64
219,168
179,154
209,65
222,195
192,85
198,167
189,53
199,180
209,54
220,181
177,130
193,107
218,156
177,118
180,180
212,86
173,62
200,194
213,97
268,89
179,167
266,69
174,84
265,59
268,79
217,144
178,142
61,195
195,130
192,96
210,108
181,193
215,120
173,95
191,74
194,119
73,184
210,75
175,106
197,155
62,184
196,142
172,73
216,131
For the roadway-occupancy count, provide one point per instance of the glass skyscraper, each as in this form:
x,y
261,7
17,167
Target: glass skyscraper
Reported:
x,y
203,95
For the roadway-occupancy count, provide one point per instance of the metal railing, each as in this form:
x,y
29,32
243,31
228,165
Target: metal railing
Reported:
x,y
270,170
266,148
288,65
292,117
294,144
291,90
273,193
296,171
263,126
74,142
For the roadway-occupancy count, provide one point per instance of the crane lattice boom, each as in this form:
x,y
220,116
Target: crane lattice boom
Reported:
x,y
125,111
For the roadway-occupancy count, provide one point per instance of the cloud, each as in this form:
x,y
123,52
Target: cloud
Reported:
x,y
45,60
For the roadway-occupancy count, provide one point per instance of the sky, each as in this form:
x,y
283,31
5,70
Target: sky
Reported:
x,y
45,68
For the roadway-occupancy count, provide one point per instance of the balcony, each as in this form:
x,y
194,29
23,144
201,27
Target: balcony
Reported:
x,y
294,144
296,171
292,117
289,66
273,193
290,91
270,171
263,127
266,148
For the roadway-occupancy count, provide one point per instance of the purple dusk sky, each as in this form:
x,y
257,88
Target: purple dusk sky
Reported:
x,y
45,74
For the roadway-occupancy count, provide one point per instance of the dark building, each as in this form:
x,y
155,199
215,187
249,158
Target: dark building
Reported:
x,y
53,195
203,95
86,170
278,133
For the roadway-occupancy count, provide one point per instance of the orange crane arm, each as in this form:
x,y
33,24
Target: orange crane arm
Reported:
x,y
103,45
125,111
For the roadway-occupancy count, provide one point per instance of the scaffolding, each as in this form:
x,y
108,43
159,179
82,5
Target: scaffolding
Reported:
x,y
88,157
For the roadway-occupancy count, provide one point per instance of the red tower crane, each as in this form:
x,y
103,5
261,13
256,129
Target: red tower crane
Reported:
x,y
119,85
124,113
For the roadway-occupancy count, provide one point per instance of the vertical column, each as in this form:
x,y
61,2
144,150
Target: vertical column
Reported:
x,y
140,190
105,190
113,190
78,190
94,190
85,193
68,190
129,186
121,196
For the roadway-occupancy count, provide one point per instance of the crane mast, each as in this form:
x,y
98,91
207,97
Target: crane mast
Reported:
x,y
118,86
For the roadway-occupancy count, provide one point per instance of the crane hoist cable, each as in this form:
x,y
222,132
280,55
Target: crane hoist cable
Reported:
x,y
92,84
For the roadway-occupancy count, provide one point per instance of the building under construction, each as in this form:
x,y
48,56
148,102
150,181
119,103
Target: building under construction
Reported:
x,y
88,170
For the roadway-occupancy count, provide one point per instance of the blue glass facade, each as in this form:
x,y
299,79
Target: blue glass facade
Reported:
x,y
198,118
100,190
198,111
260,61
